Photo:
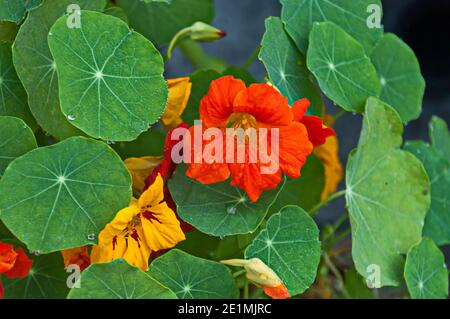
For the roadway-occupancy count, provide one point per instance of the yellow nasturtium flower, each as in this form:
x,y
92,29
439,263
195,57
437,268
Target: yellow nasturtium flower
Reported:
x,y
179,93
328,154
147,225
140,168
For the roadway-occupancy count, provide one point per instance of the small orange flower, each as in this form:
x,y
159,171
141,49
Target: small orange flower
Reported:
x,y
13,263
230,104
261,275
76,256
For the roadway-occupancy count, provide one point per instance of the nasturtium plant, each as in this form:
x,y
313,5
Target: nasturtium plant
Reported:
x,y
219,209
300,15
426,273
111,85
70,190
437,221
118,280
191,277
290,246
402,84
344,71
37,69
388,195
123,177
286,66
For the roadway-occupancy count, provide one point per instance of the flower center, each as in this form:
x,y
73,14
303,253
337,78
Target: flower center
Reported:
x,y
241,120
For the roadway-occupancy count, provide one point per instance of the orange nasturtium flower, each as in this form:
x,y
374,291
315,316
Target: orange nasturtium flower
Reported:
x,y
261,275
230,104
179,93
13,263
147,225
76,256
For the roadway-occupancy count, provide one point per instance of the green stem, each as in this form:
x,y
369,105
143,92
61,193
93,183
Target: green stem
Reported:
x,y
337,274
246,288
239,273
330,198
337,224
339,114
198,58
251,58
178,37
342,235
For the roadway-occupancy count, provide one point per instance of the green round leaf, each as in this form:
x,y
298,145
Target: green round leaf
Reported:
x,y
16,139
192,277
351,15
218,209
36,69
388,195
437,221
110,78
426,274
305,191
402,84
61,196
290,246
13,98
341,66
46,280
118,280
287,66
440,136
160,20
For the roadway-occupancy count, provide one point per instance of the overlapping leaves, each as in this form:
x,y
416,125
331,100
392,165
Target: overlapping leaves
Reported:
x,y
118,280
290,246
388,195
110,78
67,194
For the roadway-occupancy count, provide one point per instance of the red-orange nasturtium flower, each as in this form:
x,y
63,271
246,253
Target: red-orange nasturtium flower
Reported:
x,y
13,263
76,256
230,104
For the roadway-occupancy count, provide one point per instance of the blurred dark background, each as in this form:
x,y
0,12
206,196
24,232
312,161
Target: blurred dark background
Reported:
x,y
424,25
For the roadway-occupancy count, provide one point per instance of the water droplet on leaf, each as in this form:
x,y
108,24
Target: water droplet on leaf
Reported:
x,y
71,117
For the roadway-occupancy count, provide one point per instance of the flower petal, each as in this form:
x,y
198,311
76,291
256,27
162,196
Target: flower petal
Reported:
x,y
217,105
153,195
265,104
179,93
7,257
140,168
294,148
21,267
317,132
161,228
76,256
328,154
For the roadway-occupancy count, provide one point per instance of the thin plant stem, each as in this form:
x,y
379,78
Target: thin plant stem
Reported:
x,y
239,273
246,288
337,274
330,198
251,58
